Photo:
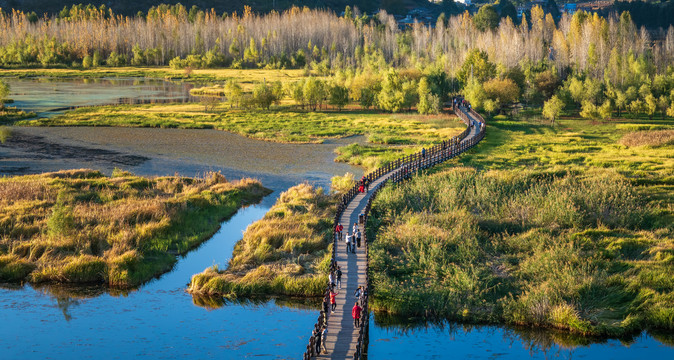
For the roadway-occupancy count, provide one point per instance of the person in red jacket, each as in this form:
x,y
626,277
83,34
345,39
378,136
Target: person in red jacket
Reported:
x,y
338,230
333,301
355,312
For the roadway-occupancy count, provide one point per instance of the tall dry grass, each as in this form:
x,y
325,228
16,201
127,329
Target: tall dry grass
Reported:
x,y
287,252
81,226
654,138
574,252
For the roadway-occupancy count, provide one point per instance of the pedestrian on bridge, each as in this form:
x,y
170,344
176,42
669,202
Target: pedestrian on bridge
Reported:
x,y
338,229
323,338
339,277
331,279
348,242
333,300
358,235
355,312
358,292
319,334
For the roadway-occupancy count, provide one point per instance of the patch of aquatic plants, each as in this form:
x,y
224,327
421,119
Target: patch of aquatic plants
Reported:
x,y
80,226
586,252
11,114
287,252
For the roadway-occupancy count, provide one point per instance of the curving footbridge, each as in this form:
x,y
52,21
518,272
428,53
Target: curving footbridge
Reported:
x,y
343,339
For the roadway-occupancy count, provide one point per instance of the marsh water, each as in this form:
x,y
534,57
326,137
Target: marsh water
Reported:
x,y
160,320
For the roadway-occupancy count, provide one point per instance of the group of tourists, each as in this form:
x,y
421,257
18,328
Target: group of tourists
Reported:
x,y
353,239
334,283
364,184
460,101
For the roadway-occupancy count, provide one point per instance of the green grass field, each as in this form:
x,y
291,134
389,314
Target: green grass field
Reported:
x,y
569,227
79,226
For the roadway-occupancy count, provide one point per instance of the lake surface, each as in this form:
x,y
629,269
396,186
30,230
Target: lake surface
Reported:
x,y
160,320
48,96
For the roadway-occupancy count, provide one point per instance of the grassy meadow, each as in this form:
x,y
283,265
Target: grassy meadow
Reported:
x,y
389,135
79,226
287,252
567,227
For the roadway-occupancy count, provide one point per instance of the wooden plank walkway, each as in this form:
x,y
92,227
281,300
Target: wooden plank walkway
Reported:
x,y
342,336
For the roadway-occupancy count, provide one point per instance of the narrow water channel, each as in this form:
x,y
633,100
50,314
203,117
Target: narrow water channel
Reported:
x,y
160,320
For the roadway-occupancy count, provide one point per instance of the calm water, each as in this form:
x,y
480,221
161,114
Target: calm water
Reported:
x,y
447,340
160,320
48,96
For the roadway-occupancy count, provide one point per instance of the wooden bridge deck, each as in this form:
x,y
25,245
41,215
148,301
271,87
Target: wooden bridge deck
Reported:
x,y
342,336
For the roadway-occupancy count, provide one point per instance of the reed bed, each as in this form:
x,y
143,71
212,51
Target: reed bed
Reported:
x,y
287,252
584,253
79,226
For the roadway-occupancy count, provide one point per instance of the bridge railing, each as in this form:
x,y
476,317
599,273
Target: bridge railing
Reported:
x,y
402,168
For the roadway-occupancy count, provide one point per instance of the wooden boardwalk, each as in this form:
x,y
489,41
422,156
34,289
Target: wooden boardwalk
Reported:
x,y
342,336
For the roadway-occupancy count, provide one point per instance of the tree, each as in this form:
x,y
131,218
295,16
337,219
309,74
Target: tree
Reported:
x,y
429,103
490,106
670,110
339,96
486,18
439,83
410,95
503,92
651,104
663,104
234,93
507,9
391,97
87,61
637,107
96,60
296,91
620,101
605,110
476,65
475,93
209,102
546,83
314,92
553,108
4,93
263,96
589,110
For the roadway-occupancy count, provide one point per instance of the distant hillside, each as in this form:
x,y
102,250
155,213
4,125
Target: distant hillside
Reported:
x,y
131,7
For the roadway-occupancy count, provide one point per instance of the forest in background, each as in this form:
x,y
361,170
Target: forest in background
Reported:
x,y
594,65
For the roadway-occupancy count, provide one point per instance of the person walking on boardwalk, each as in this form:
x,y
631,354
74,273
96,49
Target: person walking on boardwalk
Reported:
x,y
331,279
423,153
324,336
339,277
355,312
333,300
319,334
358,292
348,242
338,230
355,227
358,235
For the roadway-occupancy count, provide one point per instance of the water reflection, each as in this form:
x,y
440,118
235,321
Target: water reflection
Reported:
x,y
48,96
212,302
404,338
